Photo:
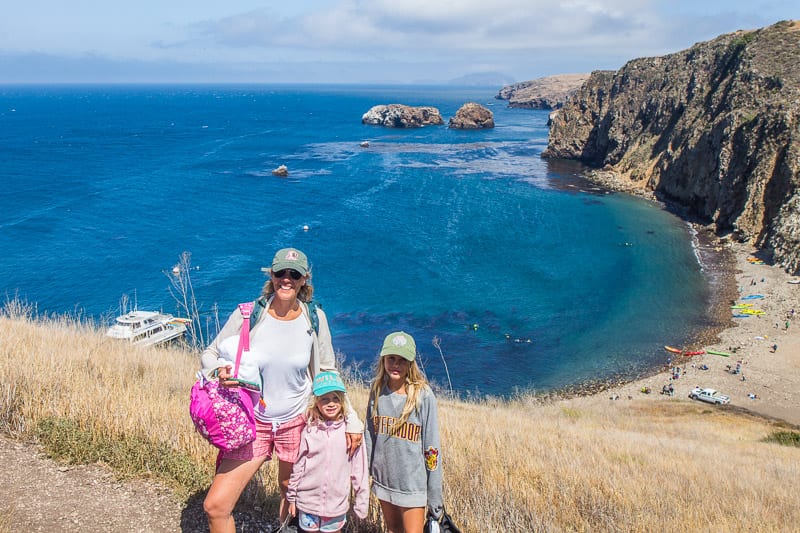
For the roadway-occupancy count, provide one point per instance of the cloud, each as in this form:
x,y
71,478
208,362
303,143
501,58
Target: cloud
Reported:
x,y
385,40
424,27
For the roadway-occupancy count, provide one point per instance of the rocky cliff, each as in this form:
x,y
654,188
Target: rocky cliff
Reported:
x,y
715,128
549,92
472,116
402,116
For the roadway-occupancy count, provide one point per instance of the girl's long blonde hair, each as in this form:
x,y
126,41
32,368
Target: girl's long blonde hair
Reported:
x,y
415,383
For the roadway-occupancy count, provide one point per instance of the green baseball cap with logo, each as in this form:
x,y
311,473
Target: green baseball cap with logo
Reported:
x,y
290,258
400,343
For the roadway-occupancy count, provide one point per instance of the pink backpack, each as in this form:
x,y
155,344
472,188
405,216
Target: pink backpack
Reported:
x,y
224,415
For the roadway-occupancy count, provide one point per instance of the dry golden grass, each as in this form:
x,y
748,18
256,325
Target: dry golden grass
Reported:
x,y
585,465
6,519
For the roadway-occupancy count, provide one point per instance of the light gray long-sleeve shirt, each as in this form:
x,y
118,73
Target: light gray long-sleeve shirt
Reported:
x,y
406,467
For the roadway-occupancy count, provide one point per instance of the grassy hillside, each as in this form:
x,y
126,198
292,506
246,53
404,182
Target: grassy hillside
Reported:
x,y
521,465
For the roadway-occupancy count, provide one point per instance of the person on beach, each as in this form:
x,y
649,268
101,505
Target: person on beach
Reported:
x,y
290,344
322,476
402,438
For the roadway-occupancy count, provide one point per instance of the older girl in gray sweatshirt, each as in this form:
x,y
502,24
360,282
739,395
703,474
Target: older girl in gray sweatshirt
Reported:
x,y
402,438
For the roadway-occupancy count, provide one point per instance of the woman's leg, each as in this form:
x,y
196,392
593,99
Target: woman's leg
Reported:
x,y
403,519
284,472
230,480
287,447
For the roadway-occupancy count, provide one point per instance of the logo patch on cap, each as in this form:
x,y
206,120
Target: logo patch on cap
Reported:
x,y
399,340
291,255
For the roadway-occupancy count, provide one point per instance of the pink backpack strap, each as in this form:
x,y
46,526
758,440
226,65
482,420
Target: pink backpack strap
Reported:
x,y
244,335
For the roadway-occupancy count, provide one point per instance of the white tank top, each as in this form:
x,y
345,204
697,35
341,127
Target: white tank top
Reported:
x,y
282,351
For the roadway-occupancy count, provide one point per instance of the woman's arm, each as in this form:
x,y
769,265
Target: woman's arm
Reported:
x,y
209,359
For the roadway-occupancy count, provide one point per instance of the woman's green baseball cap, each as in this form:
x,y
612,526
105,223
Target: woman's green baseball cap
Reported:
x,y
400,343
290,258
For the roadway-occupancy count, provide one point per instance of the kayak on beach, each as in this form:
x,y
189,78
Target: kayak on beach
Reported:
x,y
751,311
715,352
673,350
696,352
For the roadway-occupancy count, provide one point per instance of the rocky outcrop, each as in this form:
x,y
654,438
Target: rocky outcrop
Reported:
x,y
472,116
549,92
402,116
715,128
281,171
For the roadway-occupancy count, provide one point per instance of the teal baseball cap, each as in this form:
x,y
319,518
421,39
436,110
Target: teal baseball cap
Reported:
x,y
400,343
290,258
326,382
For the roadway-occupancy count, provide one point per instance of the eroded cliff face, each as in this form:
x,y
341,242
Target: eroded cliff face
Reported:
x,y
715,128
549,92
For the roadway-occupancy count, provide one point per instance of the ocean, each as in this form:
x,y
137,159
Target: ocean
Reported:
x,y
525,276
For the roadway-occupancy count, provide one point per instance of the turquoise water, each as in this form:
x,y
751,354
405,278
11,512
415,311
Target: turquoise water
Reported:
x,y
428,230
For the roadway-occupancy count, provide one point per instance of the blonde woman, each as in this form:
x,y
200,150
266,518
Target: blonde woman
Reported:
x,y
288,349
402,438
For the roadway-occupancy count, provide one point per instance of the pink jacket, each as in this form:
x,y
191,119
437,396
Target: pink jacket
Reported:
x,y
322,476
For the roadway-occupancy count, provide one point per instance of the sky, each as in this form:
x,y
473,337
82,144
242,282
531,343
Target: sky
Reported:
x,y
353,41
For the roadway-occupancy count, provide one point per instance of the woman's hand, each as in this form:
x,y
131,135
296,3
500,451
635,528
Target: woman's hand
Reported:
x,y
292,509
353,442
225,373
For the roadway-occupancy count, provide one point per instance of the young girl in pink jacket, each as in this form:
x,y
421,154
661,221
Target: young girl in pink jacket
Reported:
x,y
319,487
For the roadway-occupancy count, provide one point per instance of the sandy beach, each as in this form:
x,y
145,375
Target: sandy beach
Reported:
x,y
768,383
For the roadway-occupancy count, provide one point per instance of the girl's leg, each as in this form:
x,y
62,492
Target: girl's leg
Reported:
x,y
403,519
284,472
230,480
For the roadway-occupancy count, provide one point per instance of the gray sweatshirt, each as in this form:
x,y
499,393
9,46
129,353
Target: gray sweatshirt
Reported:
x,y
406,468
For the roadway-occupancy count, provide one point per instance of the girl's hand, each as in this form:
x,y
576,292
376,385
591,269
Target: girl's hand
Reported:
x,y
353,442
292,509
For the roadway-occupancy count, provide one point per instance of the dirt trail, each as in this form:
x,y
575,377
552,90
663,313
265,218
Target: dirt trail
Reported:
x,y
39,494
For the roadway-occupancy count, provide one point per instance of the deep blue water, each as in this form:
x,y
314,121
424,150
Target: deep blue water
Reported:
x,y
429,230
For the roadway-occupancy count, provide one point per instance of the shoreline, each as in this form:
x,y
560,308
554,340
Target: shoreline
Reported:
x,y
772,376
768,384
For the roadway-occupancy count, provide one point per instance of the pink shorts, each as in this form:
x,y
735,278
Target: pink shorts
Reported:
x,y
283,438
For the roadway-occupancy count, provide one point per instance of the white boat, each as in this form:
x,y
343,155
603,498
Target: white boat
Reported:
x,y
147,328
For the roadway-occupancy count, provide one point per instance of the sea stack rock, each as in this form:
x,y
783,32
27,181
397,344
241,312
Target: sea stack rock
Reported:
x,y
402,116
472,116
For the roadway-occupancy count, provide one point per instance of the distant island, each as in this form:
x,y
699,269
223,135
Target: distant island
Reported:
x,y
549,92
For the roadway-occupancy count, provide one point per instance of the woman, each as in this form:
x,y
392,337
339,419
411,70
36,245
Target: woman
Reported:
x,y
287,350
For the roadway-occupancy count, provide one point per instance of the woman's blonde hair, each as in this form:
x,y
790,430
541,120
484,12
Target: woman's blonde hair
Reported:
x,y
415,383
313,413
305,293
